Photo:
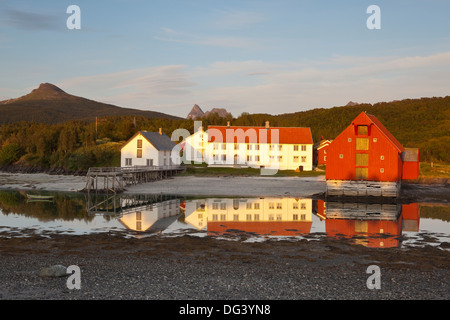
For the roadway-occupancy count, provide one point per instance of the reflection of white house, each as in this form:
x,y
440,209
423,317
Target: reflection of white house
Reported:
x,y
152,217
260,215
147,149
283,148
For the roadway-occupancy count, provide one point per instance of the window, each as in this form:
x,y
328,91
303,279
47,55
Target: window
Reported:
x,y
280,158
256,146
149,162
382,170
256,158
375,140
223,217
139,143
279,205
215,217
236,146
324,158
271,216
362,130
362,160
296,159
249,147
224,157
249,205
271,147
279,217
280,147
295,205
295,217
128,161
303,159
271,205
303,147
349,139
215,146
256,217
256,206
362,144
215,206
381,157
223,206
139,153
341,156
249,217
249,158
295,147
361,173
235,217
303,217
303,206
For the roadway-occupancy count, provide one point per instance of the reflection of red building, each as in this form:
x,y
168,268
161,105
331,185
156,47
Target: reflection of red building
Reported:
x,y
411,217
274,228
373,225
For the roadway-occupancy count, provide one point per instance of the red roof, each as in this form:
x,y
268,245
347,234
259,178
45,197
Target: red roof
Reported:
x,y
385,131
283,135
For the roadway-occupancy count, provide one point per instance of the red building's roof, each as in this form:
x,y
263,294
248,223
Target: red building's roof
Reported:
x,y
240,134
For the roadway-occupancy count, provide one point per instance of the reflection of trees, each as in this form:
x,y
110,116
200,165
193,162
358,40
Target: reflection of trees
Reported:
x,y
441,212
65,206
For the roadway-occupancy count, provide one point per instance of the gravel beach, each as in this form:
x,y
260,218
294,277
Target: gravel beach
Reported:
x,y
194,268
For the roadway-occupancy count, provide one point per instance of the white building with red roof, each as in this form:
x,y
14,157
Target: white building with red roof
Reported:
x,y
280,148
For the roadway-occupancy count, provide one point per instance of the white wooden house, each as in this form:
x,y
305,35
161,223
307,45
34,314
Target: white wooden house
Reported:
x,y
148,149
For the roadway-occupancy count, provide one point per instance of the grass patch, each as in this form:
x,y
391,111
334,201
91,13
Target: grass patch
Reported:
x,y
437,170
204,170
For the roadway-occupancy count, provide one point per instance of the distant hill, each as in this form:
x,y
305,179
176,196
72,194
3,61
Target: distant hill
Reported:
x,y
50,104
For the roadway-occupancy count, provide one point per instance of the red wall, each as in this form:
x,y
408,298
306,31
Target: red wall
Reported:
x,y
344,168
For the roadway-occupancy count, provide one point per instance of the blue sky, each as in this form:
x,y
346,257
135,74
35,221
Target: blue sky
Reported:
x,y
246,56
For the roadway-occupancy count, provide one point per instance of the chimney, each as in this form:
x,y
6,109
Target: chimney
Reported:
x,y
267,125
160,131
228,124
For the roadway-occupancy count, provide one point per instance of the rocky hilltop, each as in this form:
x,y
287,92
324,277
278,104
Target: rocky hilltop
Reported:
x,y
197,112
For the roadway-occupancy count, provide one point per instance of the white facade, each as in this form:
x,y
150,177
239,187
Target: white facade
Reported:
x,y
281,156
256,155
140,150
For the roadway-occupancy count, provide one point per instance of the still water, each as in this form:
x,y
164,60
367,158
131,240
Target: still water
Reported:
x,y
251,219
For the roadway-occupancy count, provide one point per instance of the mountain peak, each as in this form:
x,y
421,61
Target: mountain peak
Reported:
x,y
196,112
46,91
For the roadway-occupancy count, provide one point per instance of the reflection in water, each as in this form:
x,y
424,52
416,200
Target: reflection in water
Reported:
x,y
374,225
262,216
369,224
141,213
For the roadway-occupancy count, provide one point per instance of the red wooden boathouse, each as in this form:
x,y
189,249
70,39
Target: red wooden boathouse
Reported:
x,y
366,159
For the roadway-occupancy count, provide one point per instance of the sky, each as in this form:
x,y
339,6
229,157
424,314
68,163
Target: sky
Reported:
x,y
245,56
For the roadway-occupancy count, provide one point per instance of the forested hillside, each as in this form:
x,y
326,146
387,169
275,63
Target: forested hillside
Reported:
x,y
78,145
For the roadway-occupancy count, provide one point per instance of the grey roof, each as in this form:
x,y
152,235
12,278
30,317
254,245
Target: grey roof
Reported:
x,y
159,141
411,155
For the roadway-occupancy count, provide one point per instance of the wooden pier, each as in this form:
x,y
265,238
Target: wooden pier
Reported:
x,y
114,179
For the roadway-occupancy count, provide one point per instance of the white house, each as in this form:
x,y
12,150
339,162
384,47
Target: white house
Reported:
x,y
281,148
148,149
194,147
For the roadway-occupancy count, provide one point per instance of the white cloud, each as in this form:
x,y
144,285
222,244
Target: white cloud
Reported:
x,y
257,86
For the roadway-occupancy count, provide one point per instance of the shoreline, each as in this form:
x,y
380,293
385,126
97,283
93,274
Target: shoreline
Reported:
x,y
224,185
